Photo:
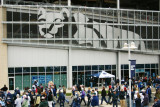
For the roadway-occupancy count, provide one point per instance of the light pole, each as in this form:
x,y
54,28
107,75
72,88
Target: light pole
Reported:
x,y
129,47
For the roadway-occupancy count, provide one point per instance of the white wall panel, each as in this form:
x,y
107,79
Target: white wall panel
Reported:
x,y
28,56
140,58
87,57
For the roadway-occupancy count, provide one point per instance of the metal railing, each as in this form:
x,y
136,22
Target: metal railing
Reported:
x,y
95,18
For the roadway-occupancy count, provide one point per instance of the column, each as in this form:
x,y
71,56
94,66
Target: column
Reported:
x,y
159,4
118,67
3,50
69,73
159,66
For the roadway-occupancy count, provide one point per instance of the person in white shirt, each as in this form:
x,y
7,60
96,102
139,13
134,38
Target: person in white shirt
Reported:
x,y
18,101
96,91
29,99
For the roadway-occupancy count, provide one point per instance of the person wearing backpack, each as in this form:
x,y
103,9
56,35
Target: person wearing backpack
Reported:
x,y
148,91
83,96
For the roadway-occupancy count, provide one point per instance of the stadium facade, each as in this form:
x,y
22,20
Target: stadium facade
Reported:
x,y
67,44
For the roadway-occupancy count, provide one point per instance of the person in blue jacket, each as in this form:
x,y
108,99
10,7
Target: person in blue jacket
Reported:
x,y
149,92
95,100
156,102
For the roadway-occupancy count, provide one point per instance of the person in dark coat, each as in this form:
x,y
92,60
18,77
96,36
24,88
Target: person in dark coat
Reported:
x,y
138,100
4,89
122,98
32,96
43,103
149,92
156,102
103,94
114,99
61,98
109,95
145,100
50,98
89,96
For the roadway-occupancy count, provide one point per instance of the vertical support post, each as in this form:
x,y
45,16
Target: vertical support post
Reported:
x,y
118,4
159,4
1,2
69,2
3,49
159,66
129,57
69,73
119,67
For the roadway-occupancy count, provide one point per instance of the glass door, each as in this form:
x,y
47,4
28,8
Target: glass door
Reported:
x,y
11,83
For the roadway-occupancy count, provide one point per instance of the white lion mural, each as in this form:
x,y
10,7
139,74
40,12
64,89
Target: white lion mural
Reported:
x,y
50,30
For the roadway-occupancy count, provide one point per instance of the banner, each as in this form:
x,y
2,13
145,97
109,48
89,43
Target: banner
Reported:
x,y
133,67
41,78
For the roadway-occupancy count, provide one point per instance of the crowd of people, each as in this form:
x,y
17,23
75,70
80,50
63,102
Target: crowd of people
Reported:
x,y
114,93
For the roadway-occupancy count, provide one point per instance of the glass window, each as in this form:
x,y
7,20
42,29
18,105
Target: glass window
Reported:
x,y
101,67
18,70
26,81
18,81
80,68
126,66
57,68
114,73
126,74
139,65
122,66
147,66
49,69
81,78
87,78
64,79
63,68
33,69
153,65
74,75
26,70
41,69
107,67
49,77
95,67
156,65
10,70
87,67
113,66
10,75
74,68
95,80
